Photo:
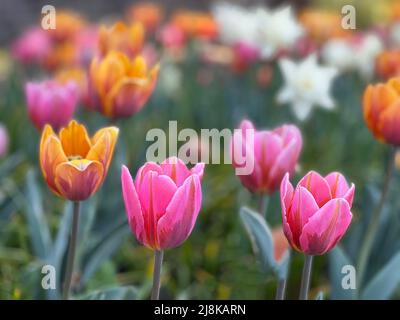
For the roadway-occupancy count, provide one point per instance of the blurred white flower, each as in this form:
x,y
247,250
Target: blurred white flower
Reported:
x,y
365,54
268,30
307,84
395,34
355,54
236,24
339,53
277,29
170,79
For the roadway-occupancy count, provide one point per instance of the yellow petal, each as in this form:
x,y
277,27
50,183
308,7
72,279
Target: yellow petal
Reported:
x,y
77,180
51,155
103,146
75,140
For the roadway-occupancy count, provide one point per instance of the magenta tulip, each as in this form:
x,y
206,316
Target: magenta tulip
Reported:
x,y
163,202
316,214
3,141
274,153
32,47
50,102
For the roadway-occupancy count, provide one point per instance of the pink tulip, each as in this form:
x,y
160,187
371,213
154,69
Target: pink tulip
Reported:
x,y
3,141
32,46
275,153
171,36
317,213
163,202
51,103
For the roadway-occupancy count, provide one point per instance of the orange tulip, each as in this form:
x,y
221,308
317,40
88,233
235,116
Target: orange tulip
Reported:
x,y
68,25
119,86
196,24
120,37
149,14
74,165
388,64
323,25
381,107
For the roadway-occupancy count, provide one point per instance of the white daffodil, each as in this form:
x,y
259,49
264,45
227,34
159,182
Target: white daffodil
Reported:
x,y
307,84
339,53
236,24
395,34
277,29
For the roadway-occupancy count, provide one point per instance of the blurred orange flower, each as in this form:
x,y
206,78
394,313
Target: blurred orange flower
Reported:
x,y
68,25
148,13
120,37
73,165
381,108
122,85
281,245
388,64
196,24
323,25
60,56
75,74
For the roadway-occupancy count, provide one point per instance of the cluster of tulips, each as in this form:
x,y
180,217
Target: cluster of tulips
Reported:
x,y
163,201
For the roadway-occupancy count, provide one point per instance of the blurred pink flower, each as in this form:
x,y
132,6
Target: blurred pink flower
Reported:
x,y
163,202
32,46
244,56
50,102
275,153
3,141
316,214
172,36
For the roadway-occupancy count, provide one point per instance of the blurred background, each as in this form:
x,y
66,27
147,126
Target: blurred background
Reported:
x,y
204,82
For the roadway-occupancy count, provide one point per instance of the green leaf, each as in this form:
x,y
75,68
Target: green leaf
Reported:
x,y
385,282
37,223
337,259
117,293
260,236
103,250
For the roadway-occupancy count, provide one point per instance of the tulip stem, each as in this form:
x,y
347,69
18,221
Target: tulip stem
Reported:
x,y
374,222
305,278
280,290
263,205
158,258
71,251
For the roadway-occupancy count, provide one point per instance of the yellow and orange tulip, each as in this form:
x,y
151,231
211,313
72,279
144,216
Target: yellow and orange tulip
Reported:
x,y
120,86
120,37
73,164
381,107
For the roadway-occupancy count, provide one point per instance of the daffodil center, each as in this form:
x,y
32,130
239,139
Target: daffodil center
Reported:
x,y
74,157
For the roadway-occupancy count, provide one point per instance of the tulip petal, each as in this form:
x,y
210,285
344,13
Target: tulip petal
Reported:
x,y
181,214
198,169
143,170
77,180
51,155
286,200
326,227
318,187
103,146
132,205
75,140
389,123
303,207
176,169
339,187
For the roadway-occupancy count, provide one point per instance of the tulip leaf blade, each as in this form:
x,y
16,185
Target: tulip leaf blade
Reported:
x,y
337,260
385,282
260,237
37,222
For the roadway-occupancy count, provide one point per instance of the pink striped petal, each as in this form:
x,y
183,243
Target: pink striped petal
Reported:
x,y
148,166
286,200
132,205
339,187
176,169
318,187
326,227
181,214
